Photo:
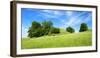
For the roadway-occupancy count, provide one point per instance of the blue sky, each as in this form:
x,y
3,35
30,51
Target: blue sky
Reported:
x,y
60,18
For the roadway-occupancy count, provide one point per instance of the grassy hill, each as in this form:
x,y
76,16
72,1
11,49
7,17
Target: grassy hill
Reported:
x,y
64,39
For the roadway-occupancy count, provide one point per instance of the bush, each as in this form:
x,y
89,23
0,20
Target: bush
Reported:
x,y
83,27
55,30
70,29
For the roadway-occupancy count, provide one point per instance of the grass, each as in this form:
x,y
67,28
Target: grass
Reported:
x,y
58,40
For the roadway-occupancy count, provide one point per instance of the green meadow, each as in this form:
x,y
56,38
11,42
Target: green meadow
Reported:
x,y
63,39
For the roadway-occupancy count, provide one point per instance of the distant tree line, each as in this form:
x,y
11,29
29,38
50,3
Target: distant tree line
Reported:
x,y
46,28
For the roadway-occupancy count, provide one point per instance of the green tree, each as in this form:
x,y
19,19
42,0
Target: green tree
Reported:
x,y
70,29
35,25
46,26
83,27
34,30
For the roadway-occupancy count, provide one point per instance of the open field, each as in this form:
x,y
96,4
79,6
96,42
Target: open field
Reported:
x,y
58,40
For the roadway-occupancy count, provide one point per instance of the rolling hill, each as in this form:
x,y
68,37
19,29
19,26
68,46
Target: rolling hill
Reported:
x,y
64,39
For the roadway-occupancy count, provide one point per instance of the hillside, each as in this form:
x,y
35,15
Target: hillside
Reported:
x,y
59,40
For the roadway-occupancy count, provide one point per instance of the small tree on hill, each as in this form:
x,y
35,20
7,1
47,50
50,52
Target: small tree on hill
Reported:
x,y
83,27
70,29
55,30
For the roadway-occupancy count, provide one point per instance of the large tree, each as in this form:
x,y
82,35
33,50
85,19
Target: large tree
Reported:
x,y
83,27
46,26
70,29
34,30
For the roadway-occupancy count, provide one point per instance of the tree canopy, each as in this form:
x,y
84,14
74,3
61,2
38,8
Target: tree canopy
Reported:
x,y
45,28
70,29
83,27
34,30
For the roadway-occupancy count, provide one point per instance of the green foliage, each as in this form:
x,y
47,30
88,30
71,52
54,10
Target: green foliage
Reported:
x,y
37,29
83,27
46,26
35,25
70,29
34,30
55,30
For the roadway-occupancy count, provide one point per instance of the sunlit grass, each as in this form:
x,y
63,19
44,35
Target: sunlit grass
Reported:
x,y
58,40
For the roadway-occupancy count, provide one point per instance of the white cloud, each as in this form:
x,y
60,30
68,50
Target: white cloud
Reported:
x,y
45,10
71,21
69,13
84,20
54,12
74,20
59,13
87,19
51,13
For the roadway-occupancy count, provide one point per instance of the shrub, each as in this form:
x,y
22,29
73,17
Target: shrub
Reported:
x,y
55,30
83,27
70,29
